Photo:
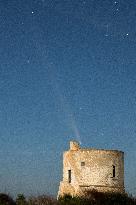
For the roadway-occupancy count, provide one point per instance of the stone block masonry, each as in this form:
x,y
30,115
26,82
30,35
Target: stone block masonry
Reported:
x,y
98,169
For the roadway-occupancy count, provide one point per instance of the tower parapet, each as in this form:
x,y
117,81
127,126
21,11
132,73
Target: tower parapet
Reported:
x,y
74,145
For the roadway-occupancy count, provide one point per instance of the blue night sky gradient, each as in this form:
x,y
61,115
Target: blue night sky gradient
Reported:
x,y
67,71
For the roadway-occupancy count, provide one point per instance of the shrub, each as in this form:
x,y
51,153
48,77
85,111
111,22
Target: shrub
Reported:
x,y
68,199
42,200
20,200
93,197
5,199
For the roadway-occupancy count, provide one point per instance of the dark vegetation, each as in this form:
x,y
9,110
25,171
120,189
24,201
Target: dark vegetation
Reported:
x,y
89,198
6,199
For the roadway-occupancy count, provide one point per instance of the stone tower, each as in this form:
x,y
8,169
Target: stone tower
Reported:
x,y
98,169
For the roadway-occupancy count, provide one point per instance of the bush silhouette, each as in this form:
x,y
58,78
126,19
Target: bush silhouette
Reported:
x,y
20,200
93,197
68,199
90,197
5,199
42,200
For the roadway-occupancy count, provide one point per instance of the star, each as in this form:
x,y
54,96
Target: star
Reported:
x,y
127,34
115,2
32,12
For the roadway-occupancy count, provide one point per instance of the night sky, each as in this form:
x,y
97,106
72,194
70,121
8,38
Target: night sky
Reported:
x,y
67,71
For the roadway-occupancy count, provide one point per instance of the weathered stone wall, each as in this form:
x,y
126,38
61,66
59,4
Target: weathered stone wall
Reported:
x,y
92,169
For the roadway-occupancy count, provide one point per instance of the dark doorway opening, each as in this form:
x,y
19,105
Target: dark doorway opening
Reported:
x,y
113,170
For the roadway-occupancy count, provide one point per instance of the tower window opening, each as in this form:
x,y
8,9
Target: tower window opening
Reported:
x,y
69,176
82,164
113,170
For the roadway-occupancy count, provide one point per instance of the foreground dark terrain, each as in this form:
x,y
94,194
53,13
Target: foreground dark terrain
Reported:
x,y
89,198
